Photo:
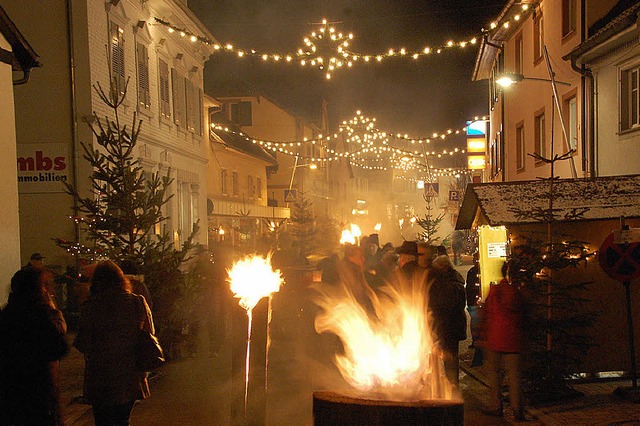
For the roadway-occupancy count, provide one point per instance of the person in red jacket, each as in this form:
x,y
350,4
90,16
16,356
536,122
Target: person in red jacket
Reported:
x,y
504,342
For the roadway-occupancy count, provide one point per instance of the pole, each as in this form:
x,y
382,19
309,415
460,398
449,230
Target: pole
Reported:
x,y
632,345
293,172
550,250
554,86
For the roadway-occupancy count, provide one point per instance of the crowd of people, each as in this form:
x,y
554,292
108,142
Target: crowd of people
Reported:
x,y
118,305
496,323
33,341
367,267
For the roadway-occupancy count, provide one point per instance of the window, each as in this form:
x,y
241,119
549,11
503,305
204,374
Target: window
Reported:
x,y
187,195
163,75
538,37
179,101
520,149
241,114
193,108
184,198
495,159
199,118
190,104
259,188
223,182
142,56
540,143
568,17
519,57
116,34
629,98
194,205
251,189
571,113
494,89
235,183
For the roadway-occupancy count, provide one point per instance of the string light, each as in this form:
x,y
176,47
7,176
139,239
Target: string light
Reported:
x,y
329,50
366,146
359,129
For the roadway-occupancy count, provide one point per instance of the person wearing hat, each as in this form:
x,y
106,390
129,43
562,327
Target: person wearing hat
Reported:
x,y
36,261
408,260
372,253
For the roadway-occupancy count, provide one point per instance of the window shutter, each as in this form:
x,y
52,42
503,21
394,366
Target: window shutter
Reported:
x,y
165,106
177,82
199,113
143,76
117,56
189,104
223,182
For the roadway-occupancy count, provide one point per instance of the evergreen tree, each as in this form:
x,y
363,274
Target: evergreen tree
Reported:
x,y
302,223
327,235
125,207
430,223
557,320
122,219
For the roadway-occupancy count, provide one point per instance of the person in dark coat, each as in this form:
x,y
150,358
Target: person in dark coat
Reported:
x,y
32,341
384,272
408,261
373,253
457,246
446,310
329,268
472,291
504,342
107,331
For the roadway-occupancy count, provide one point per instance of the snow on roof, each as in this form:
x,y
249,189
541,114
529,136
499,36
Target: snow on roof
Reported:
x,y
505,203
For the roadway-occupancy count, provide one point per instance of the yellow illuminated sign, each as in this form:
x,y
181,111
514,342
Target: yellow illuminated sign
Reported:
x,y
476,162
476,145
492,247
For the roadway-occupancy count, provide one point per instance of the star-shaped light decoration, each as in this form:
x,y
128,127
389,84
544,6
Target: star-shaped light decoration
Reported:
x,y
326,49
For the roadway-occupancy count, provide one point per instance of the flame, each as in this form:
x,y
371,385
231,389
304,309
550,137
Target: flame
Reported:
x,y
355,230
252,278
378,227
347,237
388,348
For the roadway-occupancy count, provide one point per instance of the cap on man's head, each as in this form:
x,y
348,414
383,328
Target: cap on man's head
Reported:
x,y
37,256
373,239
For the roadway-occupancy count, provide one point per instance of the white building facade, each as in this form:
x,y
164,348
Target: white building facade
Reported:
x,y
86,42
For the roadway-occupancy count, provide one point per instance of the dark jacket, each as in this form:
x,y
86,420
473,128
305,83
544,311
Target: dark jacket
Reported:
x,y
107,332
32,340
446,307
472,289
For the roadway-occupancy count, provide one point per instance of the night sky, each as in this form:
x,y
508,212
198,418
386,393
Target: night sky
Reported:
x,y
416,97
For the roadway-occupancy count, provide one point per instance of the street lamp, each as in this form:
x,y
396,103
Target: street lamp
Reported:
x,y
509,78
295,166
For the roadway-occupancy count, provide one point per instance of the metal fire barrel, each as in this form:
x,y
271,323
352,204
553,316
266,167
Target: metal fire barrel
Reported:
x,y
332,409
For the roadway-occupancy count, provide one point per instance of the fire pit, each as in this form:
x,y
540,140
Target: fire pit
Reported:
x,y
331,408
389,358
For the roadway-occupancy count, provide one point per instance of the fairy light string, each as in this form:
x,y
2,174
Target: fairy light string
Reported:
x,y
328,49
366,146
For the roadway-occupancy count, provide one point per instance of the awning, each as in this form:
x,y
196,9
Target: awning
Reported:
x,y
508,203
